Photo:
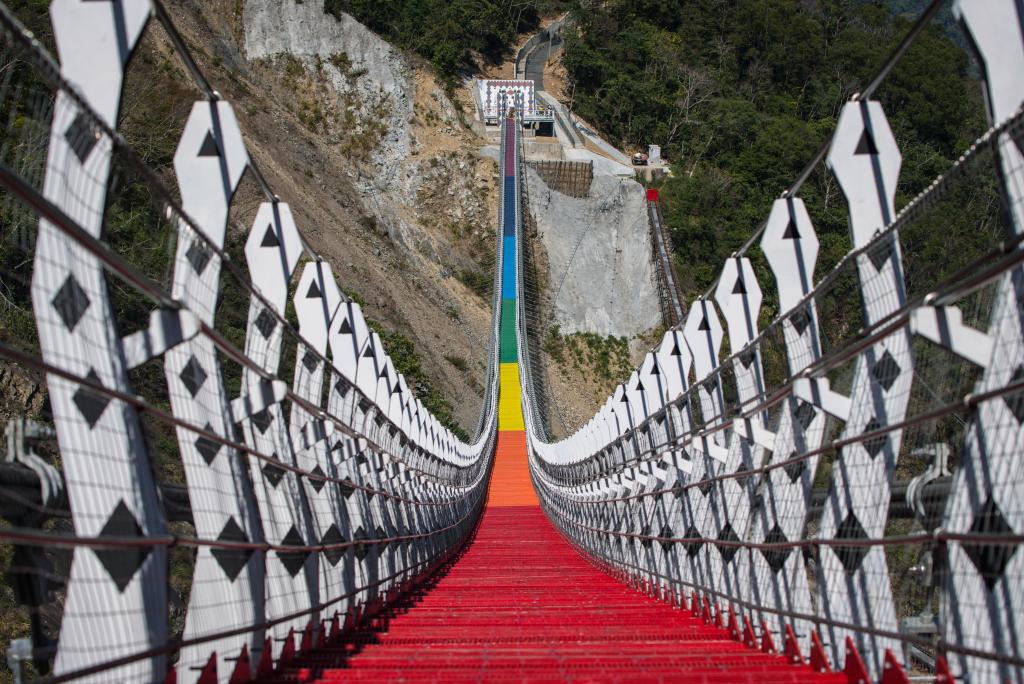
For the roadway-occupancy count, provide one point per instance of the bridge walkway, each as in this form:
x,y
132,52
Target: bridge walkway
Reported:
x,y
519,603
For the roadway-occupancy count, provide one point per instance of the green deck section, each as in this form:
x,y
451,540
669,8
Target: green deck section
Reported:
x,y
507,336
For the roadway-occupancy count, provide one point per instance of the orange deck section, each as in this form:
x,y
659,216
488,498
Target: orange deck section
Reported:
x,y
510,481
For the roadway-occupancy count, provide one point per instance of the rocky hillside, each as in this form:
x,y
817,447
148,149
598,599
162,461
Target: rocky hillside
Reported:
x,y
380,171
598,256
372,149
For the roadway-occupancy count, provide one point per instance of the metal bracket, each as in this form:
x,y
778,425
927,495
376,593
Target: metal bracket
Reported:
x,y
18,652
944,325
938,467
923,625
311,433
265,394
22,434
167,329
817,392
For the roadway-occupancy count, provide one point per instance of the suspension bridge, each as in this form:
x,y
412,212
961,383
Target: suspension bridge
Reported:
x,y
837,498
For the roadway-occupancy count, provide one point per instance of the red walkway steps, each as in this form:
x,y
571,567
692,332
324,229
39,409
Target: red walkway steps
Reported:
x,y
521,605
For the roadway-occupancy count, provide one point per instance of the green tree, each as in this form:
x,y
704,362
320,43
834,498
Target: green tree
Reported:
x,y
741,94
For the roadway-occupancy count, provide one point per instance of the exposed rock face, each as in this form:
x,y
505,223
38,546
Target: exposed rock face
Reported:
x,y
373,80
274,27
379,77
381,128
602,278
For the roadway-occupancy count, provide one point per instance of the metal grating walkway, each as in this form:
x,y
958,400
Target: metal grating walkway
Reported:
x,y
522,605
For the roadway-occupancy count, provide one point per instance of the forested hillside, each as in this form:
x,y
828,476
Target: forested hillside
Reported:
x,y
453,34
741,94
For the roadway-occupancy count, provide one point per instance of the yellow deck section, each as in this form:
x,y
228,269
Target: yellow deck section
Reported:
x,y
510,408
510,481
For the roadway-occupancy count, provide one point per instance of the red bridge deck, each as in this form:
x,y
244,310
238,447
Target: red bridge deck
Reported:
x,y
521,605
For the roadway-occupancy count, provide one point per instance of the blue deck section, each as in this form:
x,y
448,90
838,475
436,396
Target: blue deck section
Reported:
x,y
508,347
508,268
508,220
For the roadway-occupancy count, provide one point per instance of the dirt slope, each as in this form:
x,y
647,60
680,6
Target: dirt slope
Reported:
x,y
383,178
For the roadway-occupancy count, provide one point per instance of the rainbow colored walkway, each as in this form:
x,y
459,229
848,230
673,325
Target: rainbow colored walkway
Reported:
x,y
521,605
510,480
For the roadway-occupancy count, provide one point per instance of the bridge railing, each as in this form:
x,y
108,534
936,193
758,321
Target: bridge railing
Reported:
x,y
239,468
846,480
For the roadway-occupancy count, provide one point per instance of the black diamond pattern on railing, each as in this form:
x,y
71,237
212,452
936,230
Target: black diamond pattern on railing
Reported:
x,y
851,556
70,302
332,537
990,559
696,541
232,560
886,370
776,557
727,534
262,420
198,256
91,404
82,136
293,560
207,448
316,482
273,473
122,563
266,323
193,376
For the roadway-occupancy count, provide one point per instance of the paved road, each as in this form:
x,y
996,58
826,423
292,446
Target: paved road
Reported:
x,y
536,58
